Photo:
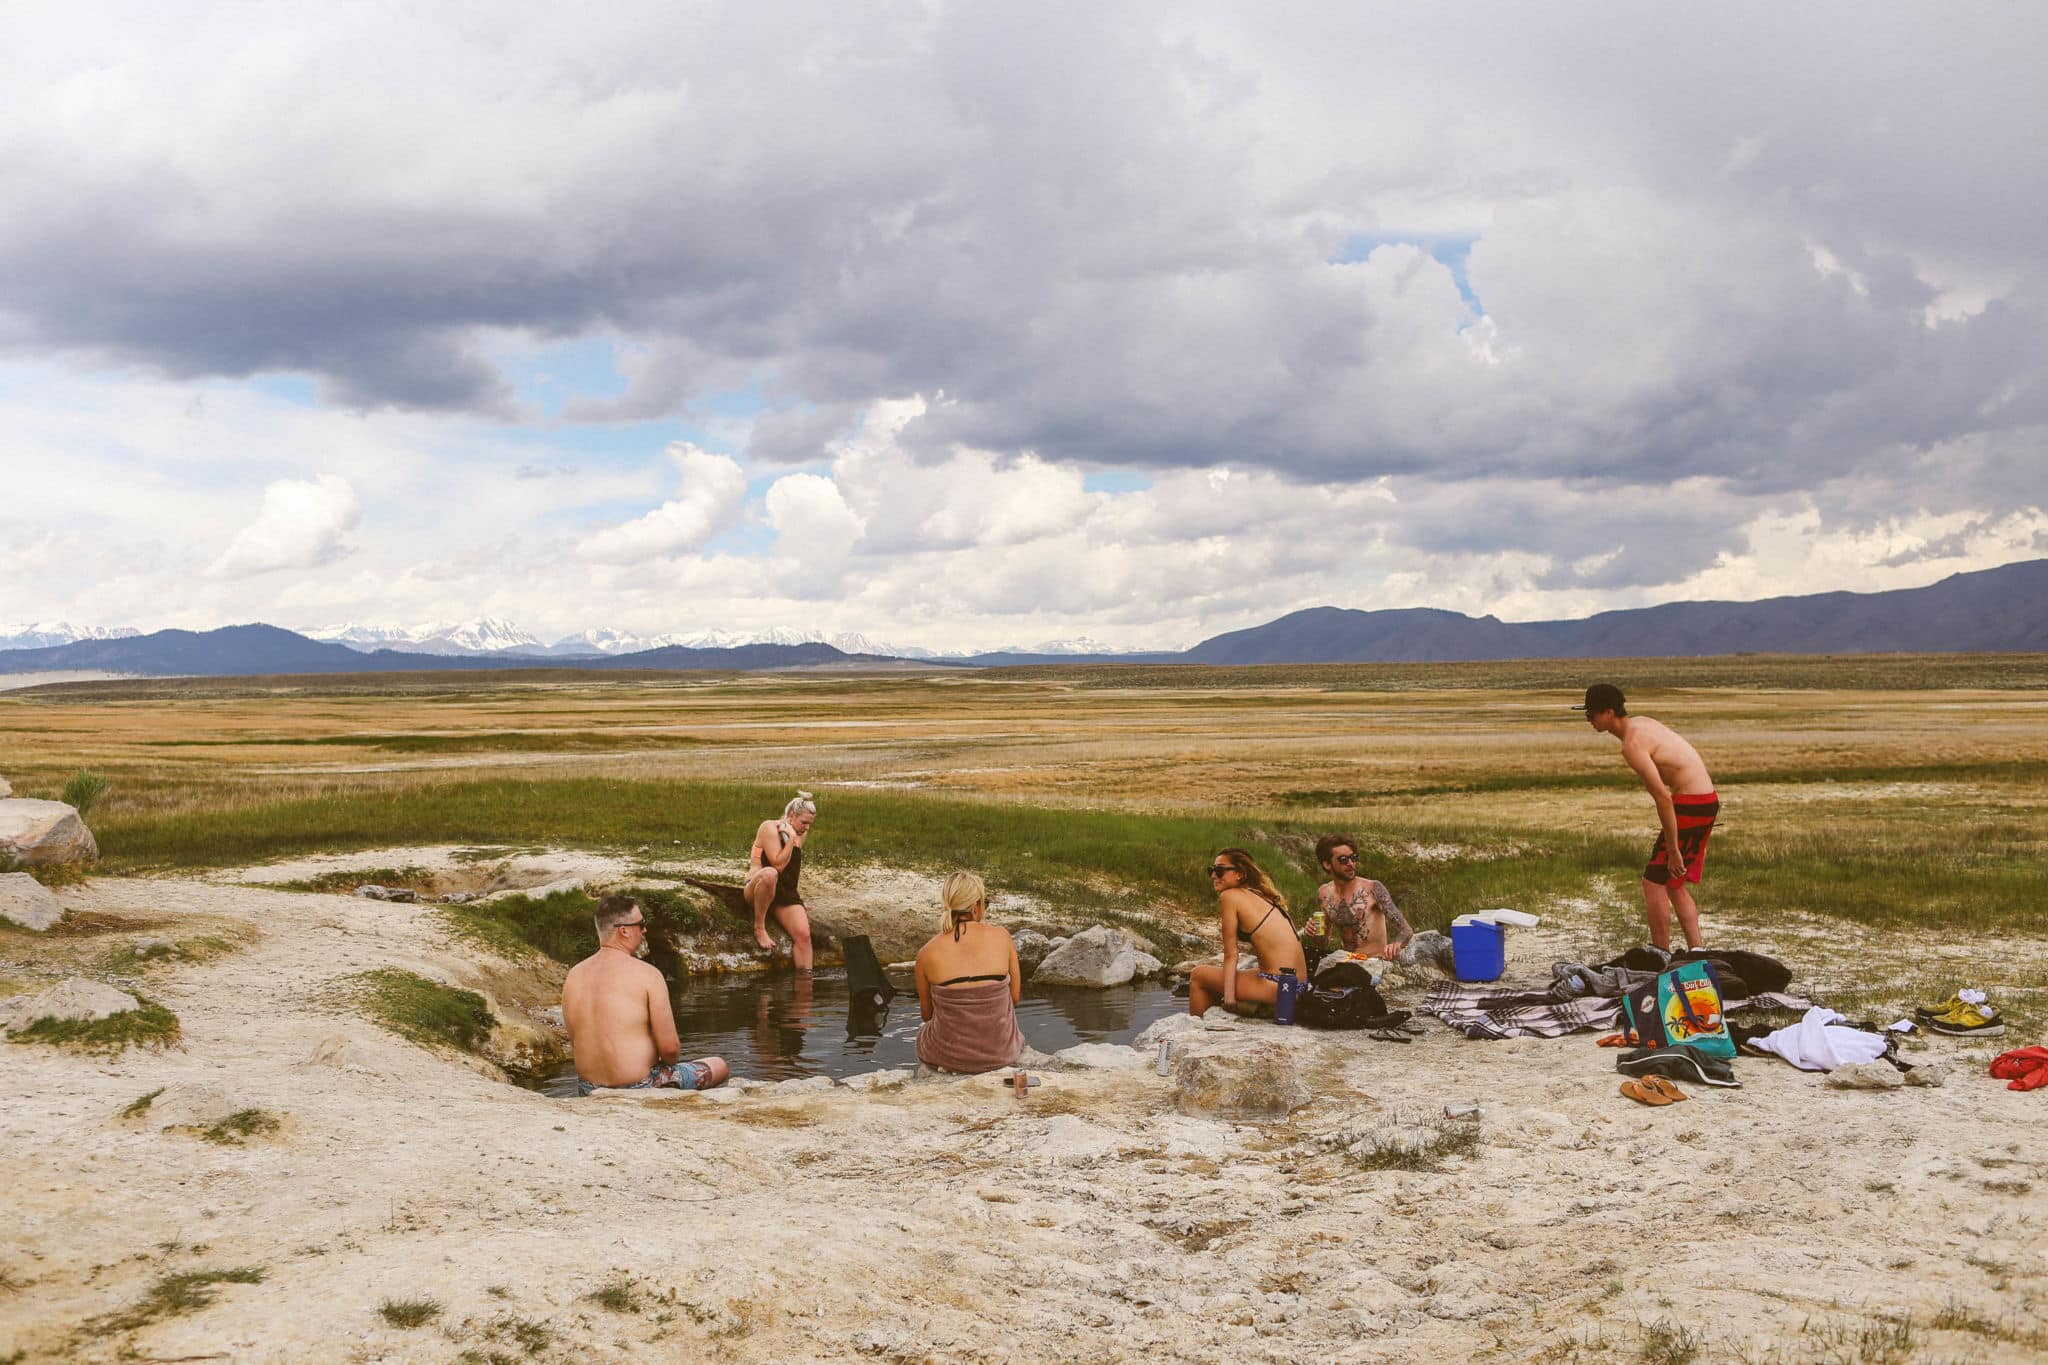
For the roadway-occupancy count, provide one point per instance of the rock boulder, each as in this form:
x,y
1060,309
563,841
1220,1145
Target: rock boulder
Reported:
x,y
27,902
1094,957
1263,1081
1866,1076
1429,949
74,997
403,894
35,832
189,1104
1100,1057
1032,948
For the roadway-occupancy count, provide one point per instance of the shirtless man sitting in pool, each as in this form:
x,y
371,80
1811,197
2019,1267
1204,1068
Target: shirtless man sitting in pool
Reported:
x,y
1675,775
617,1012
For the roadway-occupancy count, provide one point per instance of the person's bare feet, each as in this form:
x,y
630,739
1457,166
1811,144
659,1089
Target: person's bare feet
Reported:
x,y
766,943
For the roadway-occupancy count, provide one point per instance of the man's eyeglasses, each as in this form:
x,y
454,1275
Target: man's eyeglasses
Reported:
x,y
1345,858
635,924
1218,869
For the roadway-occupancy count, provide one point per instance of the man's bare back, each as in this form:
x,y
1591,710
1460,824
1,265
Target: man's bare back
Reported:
x,y
1663,750
617,1012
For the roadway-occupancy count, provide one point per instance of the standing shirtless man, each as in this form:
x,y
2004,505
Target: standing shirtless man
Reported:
x,y
1677,780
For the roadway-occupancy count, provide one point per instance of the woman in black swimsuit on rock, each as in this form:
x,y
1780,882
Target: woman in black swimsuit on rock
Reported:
x,y
774,864
1253,911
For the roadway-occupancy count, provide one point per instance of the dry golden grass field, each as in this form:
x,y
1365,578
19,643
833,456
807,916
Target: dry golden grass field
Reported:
x,y
1883,811
298,1151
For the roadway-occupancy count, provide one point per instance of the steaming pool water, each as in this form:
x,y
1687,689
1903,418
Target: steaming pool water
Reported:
x,y
779,1026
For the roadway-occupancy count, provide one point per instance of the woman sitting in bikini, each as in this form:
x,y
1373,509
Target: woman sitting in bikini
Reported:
x,y
775,868
1253,911
968,985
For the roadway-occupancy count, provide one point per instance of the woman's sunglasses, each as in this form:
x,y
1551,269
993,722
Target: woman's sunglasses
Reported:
x,y
1218,869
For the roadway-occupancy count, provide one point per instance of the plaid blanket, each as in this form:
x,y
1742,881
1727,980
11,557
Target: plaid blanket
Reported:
x,y
1483,1009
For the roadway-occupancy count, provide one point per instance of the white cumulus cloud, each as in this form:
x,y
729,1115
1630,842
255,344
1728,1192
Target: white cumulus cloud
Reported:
x,y
811,519
301,524
713,489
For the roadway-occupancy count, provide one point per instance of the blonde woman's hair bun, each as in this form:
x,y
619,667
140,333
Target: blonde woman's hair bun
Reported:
x,y
961,893
800,804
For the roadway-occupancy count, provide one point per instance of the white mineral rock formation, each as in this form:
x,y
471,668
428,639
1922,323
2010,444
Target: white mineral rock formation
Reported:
x,y
27,902
35,832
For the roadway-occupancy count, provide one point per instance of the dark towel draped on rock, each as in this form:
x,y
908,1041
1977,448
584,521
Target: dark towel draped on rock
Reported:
x,y
973,1028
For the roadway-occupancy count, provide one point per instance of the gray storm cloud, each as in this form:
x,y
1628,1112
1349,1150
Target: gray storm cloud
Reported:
x,y
1784,252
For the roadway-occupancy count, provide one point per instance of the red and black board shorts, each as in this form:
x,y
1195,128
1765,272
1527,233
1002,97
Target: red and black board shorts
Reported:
x,y
1695,823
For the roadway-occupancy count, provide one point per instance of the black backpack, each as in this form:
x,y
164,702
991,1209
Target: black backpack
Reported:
x,y
1344,997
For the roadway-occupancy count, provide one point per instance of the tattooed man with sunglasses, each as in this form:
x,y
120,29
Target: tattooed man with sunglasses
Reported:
x,y
1358,910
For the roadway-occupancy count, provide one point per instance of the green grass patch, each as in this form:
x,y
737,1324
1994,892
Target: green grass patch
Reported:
x,y
172,1296
1422,1146
559,924
463,742
1800,771
619,1296
242,1124
84,791
150,1025
1086,860
409,1313
139,1106
344,882
423,1011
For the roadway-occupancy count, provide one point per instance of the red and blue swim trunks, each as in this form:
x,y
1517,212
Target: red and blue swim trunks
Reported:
x,y
1696,813
665,1075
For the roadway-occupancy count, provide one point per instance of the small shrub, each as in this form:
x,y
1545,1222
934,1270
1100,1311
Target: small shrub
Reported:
x,y
243,1123
148,1025
1668,1343
139,1106
1417,1145
530,1336
84,790
171,1296
616,1297
409,1312
424,1011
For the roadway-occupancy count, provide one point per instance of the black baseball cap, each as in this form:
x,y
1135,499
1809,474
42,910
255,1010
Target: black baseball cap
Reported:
x,y
1604,697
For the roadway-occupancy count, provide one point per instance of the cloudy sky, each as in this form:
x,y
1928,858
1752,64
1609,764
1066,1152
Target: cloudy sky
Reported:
x,y
985,324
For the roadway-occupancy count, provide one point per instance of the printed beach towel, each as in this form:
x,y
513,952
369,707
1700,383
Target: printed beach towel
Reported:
x,y
1480,1009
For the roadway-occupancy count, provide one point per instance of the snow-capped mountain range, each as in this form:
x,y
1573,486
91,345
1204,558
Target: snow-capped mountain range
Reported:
x,y
47,634
490,635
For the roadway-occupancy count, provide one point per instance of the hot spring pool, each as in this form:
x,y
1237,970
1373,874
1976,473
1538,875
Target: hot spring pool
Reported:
x,y
779,1026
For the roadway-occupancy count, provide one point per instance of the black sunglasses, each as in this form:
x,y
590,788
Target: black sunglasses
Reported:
x,y
636,924
1345,858
1218,869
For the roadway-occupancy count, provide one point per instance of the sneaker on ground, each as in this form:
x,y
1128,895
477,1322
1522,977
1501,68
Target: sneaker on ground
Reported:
x,y
1969,1021
1936,1011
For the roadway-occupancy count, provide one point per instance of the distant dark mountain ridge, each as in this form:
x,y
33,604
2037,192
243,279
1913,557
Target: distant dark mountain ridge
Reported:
x,y
243,651
2002,610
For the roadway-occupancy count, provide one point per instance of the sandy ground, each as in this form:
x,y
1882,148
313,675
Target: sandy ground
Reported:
x,y
947,1220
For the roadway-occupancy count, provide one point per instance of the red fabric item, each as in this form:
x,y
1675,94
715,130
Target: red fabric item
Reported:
x,y
2026,1068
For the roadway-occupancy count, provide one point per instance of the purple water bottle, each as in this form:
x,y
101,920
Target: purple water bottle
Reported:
x,y
1290,989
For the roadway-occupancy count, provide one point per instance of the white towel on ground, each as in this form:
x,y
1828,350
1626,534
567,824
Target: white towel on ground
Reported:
x,y
1819,1043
